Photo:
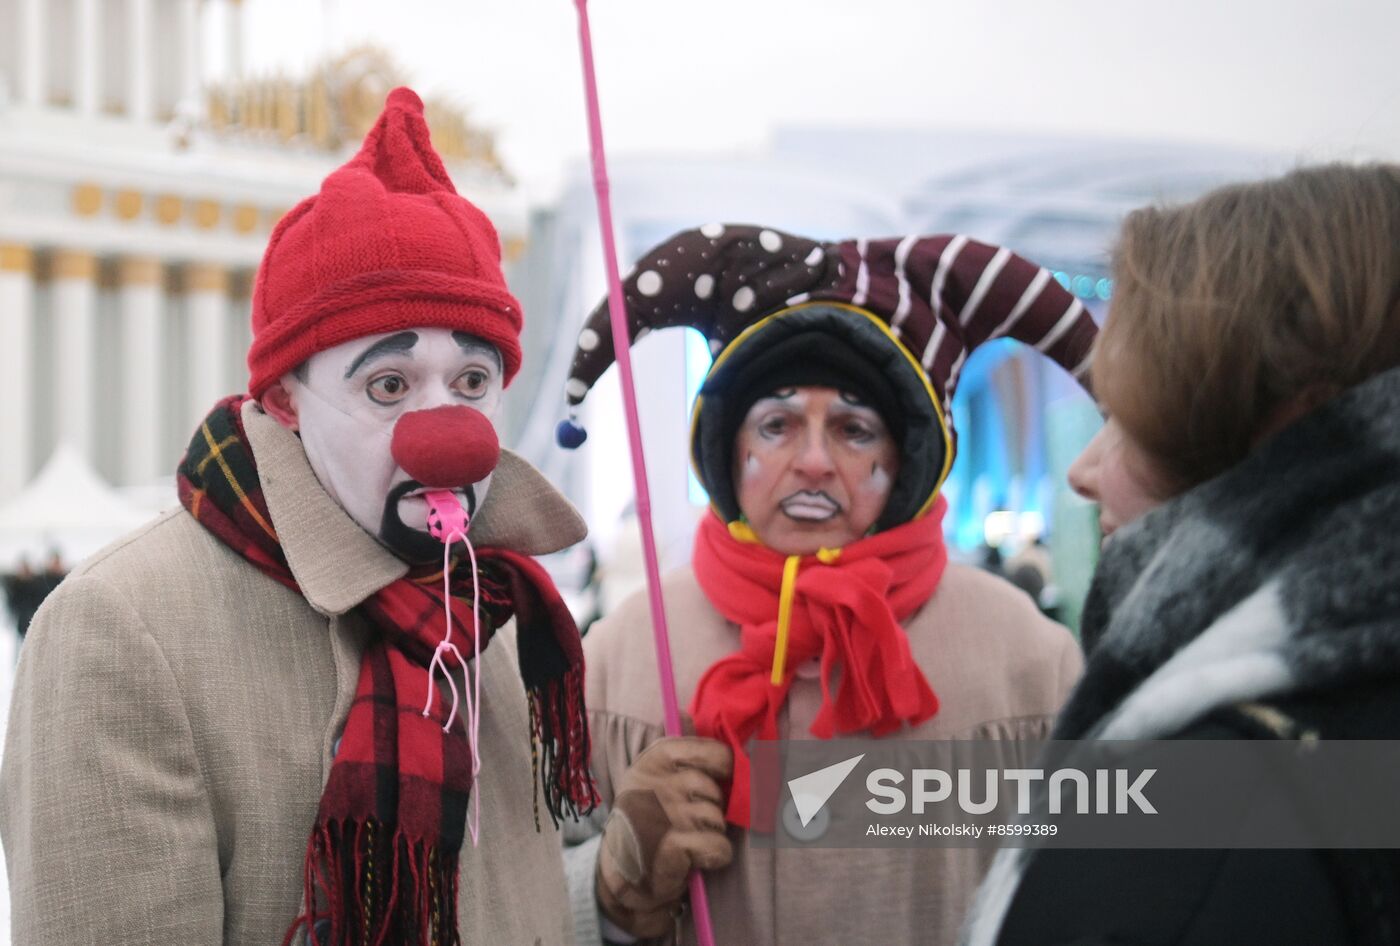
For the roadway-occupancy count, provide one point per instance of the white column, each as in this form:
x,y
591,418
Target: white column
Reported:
x,y
206,313
191,43
33,50
87,62
141,364
16,335
140,86
234,24
74,322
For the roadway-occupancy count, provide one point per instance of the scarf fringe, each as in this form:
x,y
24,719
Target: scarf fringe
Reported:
x,y
405,891
561,749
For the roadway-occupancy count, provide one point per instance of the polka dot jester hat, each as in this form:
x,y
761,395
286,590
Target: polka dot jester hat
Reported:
x,y
902,314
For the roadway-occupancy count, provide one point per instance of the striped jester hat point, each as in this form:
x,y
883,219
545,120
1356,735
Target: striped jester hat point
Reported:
x,y
906,310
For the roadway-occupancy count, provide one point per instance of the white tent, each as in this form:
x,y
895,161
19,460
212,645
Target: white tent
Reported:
x,y
67,508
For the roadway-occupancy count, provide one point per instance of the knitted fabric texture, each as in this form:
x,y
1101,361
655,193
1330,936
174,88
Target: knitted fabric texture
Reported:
x,y
386,245
847,613
382,860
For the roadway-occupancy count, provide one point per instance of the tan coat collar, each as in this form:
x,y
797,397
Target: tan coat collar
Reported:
x,y
337,564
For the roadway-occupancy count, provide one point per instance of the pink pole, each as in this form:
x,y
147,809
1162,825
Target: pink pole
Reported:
x,y
617,310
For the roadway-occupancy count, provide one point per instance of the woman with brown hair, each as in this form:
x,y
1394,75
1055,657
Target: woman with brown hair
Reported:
x,y
1248,479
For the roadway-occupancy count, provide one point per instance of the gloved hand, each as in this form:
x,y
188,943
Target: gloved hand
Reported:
x,y
667,818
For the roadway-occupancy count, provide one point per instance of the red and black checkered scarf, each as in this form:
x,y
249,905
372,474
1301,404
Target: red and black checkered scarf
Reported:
x,y
381,863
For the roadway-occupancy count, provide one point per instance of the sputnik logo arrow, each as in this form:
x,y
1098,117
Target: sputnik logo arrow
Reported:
x,y
813,790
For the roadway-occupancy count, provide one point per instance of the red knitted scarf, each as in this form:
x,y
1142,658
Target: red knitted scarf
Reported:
x,y
847,613
381,863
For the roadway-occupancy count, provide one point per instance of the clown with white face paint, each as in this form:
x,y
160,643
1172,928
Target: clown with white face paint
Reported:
x,y
309,729
820,601
346,402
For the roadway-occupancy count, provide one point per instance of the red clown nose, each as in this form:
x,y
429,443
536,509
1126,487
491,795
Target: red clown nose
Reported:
x,y
446,447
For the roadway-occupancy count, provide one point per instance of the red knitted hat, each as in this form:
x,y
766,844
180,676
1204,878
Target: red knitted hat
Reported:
x,y
386,245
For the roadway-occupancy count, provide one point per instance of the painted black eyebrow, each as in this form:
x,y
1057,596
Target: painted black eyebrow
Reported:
x,y
471,345
394,344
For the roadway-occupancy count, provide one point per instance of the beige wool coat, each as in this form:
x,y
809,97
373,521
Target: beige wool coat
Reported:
x,y
176,712
1001,671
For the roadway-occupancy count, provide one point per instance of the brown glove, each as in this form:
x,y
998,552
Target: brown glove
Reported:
x,y
667,819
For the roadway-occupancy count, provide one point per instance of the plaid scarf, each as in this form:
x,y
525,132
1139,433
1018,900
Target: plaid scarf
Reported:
x,y
381,863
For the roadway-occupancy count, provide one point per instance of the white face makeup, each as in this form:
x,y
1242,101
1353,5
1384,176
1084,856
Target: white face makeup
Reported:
x,y
347,400
813,469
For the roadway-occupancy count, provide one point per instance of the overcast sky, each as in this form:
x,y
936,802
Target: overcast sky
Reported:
x,y
1306,77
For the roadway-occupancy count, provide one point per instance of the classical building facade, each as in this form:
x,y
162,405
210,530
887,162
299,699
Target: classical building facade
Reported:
x,y
137,192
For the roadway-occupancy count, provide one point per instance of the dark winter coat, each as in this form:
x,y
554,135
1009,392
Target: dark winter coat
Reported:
x,y
1262,604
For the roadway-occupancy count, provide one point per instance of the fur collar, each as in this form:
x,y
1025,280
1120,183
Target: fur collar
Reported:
x,y
1277,577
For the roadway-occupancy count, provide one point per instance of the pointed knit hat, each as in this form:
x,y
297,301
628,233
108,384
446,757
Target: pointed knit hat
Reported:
x,y
387,245
898,317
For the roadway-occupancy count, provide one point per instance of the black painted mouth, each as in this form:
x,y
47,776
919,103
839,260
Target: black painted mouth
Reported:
x,y
412,545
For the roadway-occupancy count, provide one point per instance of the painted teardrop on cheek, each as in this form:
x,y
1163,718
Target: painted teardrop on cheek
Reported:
x,y
878,484
751,466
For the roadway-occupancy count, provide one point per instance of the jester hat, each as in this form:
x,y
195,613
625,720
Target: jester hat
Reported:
x,y
901,315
